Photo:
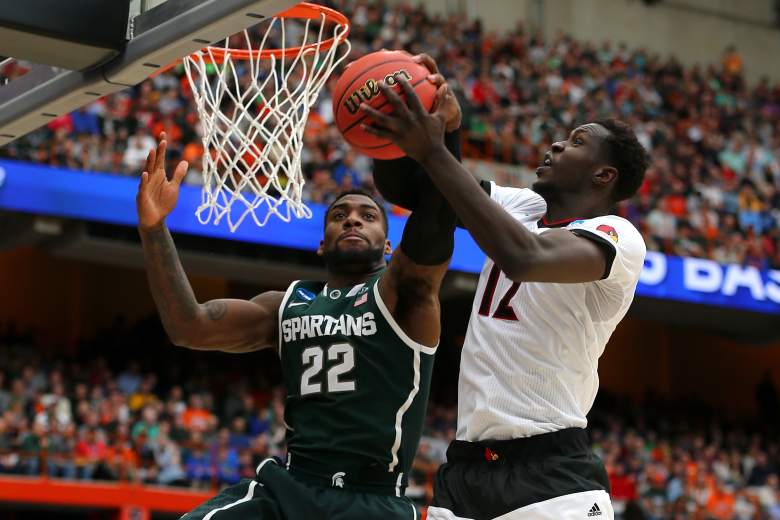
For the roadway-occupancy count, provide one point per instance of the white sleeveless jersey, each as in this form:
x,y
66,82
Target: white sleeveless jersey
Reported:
x,y
530,357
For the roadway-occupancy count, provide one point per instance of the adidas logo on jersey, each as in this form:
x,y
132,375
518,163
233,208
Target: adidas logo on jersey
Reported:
x,y
594,511
316,325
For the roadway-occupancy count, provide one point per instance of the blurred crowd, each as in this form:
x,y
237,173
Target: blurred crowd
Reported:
x,y
210,426
713,190
86,422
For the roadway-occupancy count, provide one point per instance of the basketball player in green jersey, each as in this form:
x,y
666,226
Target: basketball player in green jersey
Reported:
x,y
356,352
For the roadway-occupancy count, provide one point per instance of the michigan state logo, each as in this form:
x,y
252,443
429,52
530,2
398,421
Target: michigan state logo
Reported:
x,y
337,480
370,89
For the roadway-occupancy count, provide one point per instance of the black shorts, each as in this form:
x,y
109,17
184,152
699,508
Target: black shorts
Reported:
x,y
551,476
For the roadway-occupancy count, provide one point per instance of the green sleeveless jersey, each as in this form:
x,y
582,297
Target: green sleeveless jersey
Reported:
x,y
357,385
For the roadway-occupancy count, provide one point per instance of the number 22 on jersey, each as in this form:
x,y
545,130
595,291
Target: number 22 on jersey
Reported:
x,y
314,358
504,310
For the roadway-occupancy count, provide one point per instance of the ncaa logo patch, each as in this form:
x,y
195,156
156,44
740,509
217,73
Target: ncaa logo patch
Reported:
x,y
305,294
609,230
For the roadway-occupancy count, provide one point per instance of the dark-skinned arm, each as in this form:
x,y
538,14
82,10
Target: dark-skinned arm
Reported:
x,y
410,286
228,325
554,256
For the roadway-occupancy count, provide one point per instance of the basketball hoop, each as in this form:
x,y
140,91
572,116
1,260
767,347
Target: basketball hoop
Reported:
x,y
253,104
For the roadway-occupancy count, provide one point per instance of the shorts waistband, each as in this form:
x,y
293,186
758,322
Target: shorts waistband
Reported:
x,y
364,480
563,442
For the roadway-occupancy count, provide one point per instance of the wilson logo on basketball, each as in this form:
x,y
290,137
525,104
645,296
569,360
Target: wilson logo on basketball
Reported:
x,y
370,89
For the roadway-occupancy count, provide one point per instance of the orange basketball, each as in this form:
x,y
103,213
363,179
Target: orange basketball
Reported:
x,y
359,83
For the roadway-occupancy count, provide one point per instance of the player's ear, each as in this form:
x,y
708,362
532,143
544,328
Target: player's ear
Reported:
x,y
321,249
388,247
605,176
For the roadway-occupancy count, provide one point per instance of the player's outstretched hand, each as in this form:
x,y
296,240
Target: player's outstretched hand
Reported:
x,y
445,97
409,126
157,195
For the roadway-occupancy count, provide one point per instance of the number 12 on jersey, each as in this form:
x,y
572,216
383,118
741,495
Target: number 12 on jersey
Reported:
x,y
504,310
344,356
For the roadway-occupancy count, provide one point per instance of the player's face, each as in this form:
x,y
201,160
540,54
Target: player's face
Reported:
x,y
569,165
355,238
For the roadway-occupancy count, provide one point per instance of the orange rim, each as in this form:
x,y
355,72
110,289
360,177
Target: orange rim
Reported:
x,y
303,10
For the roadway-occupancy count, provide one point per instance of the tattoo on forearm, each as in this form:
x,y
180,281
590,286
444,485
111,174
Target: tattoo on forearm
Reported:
x,y
170,288
216,310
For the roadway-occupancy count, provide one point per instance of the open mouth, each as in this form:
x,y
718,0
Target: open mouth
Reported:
x,y
546,164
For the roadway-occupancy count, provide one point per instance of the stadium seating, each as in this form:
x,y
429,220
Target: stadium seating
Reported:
x,y
79,419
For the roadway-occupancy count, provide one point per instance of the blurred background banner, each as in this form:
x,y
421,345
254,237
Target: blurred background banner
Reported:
x,y
698,280
111,199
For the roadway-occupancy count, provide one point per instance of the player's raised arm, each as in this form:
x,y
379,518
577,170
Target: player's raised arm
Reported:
x,y
227,325
410,286
556,256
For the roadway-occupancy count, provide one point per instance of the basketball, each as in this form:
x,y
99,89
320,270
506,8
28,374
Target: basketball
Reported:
x,y
359,83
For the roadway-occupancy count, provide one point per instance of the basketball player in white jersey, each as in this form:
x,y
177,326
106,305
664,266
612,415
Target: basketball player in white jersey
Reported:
x,y
560,275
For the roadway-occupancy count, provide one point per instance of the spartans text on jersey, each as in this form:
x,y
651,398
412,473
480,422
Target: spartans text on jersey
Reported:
x,y
316,325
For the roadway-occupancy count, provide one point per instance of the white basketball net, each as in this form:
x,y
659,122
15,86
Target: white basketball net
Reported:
x,y
253,111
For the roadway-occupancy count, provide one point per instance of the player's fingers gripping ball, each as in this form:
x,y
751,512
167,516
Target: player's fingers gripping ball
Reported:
x,y
359,83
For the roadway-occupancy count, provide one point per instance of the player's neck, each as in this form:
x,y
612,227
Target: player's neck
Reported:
x,y
336,280
576,207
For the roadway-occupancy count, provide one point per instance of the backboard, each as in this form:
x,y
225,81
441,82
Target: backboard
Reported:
x,y
158,33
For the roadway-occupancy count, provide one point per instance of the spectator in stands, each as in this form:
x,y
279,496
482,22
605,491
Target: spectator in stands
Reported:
x,y
196,418
198,465
147,425
345,169
130,379
90,451
138,146
762,469
144,396
5,395
239,440
85,121
720,503
60,448
167,456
